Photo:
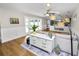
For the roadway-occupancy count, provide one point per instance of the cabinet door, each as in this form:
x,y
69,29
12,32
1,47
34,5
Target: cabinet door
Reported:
x,y
35,41
50,45
47,45
64,44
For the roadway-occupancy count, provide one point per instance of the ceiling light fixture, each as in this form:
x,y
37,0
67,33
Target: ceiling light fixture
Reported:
x,y
49,13
48,4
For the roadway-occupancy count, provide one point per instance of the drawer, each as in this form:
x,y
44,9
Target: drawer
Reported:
x,y
34,40
44,40
46,48
44,43
32,37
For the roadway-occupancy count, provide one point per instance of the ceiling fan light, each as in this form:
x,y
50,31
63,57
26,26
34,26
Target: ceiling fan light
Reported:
x,y
48,4
47,14
52,17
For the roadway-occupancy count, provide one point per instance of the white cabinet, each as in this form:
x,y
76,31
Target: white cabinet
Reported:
x,y
65,43
43,43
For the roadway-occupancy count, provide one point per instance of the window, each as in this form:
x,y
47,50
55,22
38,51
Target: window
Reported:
x,y
29,22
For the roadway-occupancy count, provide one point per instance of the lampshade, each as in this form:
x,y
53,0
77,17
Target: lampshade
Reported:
x,y
52,17
67,20
48,5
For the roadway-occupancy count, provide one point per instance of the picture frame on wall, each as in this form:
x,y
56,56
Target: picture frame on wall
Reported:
x,y
14,20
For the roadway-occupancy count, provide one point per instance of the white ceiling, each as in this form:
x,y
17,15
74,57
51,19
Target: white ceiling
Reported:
x,y
39,9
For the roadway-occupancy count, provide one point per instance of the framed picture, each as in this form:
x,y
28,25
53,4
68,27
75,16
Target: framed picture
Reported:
x,y
14,20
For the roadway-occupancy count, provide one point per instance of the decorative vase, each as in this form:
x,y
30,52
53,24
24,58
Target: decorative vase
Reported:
x,y
50,34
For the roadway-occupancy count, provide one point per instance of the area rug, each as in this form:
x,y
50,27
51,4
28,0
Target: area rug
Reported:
x,y
40,52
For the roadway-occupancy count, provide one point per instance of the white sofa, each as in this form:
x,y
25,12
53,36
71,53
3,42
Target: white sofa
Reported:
x,y
65,43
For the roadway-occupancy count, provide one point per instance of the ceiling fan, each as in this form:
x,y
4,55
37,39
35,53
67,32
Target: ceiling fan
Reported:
x,y
49,11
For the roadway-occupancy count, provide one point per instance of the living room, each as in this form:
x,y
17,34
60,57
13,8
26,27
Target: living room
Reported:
x,y
18,19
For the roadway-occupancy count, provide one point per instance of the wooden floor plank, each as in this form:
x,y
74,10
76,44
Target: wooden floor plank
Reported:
x,y
13,48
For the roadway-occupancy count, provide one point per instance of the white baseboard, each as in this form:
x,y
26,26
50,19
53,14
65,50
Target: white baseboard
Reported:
x,y
6,40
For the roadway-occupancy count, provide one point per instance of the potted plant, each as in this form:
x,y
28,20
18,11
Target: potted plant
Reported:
x,y
34,27
57,49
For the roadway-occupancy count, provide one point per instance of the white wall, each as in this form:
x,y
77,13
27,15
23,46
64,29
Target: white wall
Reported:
x,y
75,22
0,33
11,31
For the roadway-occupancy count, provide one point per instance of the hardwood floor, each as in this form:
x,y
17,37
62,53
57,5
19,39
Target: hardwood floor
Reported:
x,y
13,48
